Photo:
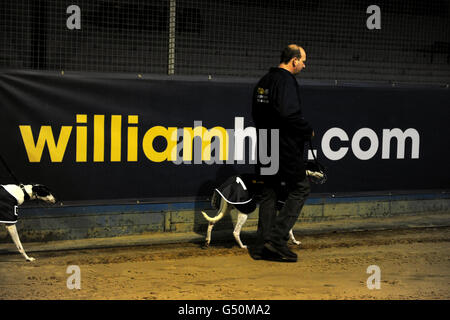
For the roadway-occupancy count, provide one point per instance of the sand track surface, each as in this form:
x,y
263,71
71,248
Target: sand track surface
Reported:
x,y
414,264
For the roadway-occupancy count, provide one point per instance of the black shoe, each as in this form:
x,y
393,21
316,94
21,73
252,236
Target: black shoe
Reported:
x,y
264,254
282,251
271,256
257,253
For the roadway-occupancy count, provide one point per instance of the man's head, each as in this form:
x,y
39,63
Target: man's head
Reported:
x,y
293,58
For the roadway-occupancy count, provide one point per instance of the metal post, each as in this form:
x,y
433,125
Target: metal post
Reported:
x,y
172,22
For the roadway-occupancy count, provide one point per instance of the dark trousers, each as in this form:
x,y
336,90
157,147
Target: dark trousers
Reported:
x,y
275,228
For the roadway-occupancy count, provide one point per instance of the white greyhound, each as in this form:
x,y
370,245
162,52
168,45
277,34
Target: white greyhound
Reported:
x,y
225,208
235,193
12,196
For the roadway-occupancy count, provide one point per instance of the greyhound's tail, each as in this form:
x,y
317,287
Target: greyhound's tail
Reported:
x,y
215,219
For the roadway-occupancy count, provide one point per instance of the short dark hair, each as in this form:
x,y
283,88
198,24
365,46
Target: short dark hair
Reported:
x,y
290,52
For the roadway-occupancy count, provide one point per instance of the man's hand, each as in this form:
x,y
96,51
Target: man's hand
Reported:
x,y
312,134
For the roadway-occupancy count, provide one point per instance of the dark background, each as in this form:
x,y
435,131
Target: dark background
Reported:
x,y
231,37
119,63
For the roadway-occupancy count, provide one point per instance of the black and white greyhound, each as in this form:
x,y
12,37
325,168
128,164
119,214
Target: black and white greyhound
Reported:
x,y
12,196
241,192
225,208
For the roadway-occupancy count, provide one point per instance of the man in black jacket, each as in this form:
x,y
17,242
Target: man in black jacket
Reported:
x,y
276,105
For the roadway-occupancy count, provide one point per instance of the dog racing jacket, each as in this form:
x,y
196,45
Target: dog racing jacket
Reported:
x,y
276,105
238,190
8,207
244,192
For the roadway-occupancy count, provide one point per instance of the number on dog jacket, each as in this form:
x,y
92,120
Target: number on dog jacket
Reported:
x,y
8,207
237,190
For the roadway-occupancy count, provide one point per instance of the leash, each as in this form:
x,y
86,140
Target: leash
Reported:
x,y
11,173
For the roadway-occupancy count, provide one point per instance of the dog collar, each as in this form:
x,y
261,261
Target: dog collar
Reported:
x,y
25,193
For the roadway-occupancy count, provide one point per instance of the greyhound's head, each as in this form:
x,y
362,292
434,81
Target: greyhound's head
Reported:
x,y
41,192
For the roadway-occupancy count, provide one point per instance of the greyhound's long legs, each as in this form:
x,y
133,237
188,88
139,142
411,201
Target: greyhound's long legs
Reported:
x,y
15,237
291,236
241,219
208,234
224,208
